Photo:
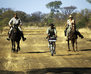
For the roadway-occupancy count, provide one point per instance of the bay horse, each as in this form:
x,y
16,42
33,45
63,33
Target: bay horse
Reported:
x,y
72,36
15,38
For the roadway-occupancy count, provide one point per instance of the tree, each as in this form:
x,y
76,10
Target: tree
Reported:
x,y
89,1
67,10
36,16
22,15
54,6
7,14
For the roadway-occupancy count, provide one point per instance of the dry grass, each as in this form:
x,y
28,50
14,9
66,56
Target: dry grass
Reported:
x,y
35,54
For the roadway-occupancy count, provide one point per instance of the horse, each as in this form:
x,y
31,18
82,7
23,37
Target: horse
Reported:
x,y
72,36
15,38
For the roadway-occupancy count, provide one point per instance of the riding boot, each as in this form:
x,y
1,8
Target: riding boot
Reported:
x,y
22,35
79,34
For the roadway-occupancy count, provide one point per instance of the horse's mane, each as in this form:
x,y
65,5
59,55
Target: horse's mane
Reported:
x,y
15,34
73,35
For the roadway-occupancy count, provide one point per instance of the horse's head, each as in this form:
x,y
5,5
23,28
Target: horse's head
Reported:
x,y
15,28
73,27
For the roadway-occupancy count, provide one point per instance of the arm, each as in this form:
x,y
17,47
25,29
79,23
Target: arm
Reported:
x,y
55,32
66,24
20,23
10,22
47,33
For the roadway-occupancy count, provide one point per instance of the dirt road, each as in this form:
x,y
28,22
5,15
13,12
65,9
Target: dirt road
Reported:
x,y
35,58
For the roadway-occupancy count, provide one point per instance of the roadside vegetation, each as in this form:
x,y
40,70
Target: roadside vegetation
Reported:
x,y
58,15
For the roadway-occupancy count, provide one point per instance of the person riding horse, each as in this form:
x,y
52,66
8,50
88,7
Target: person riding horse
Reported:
x,y
71,26
15,21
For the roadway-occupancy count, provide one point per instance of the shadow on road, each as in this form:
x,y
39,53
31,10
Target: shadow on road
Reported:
x,y
37,52
85,50
69,54
10,72
61,71
51,71
89,40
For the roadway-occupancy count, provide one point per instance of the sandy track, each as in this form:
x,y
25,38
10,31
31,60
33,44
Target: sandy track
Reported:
x,y
35,57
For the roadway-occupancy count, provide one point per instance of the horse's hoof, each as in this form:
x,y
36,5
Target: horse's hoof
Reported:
x,y
77,50
13,50
54,52
74,50
16,50
69,50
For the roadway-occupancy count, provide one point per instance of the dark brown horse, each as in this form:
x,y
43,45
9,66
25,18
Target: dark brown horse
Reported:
x,y
15,38
73,38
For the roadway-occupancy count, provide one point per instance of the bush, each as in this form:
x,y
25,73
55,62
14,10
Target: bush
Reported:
x,y
82,23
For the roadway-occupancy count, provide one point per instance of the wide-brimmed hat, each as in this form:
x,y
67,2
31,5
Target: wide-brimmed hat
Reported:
x,y
70,16
51,24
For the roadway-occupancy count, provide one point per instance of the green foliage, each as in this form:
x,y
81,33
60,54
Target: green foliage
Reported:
x,y
89,1
50,21
54,5
82,22
4,22
83,18
22,15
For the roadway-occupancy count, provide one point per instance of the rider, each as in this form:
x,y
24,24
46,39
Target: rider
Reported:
x,y
15,21
52,33
71,25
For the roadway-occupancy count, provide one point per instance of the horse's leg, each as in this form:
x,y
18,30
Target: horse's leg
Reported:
x,y
68,45
12,45
76,45
72,42
18,46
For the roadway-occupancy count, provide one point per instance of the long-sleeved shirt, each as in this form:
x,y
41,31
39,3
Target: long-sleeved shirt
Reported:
x,y
70,22
15,21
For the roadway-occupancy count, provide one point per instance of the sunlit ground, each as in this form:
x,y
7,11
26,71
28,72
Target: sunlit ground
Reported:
x,y
34,56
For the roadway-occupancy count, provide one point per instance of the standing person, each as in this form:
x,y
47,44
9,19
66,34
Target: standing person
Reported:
x,y
71,26
16,21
